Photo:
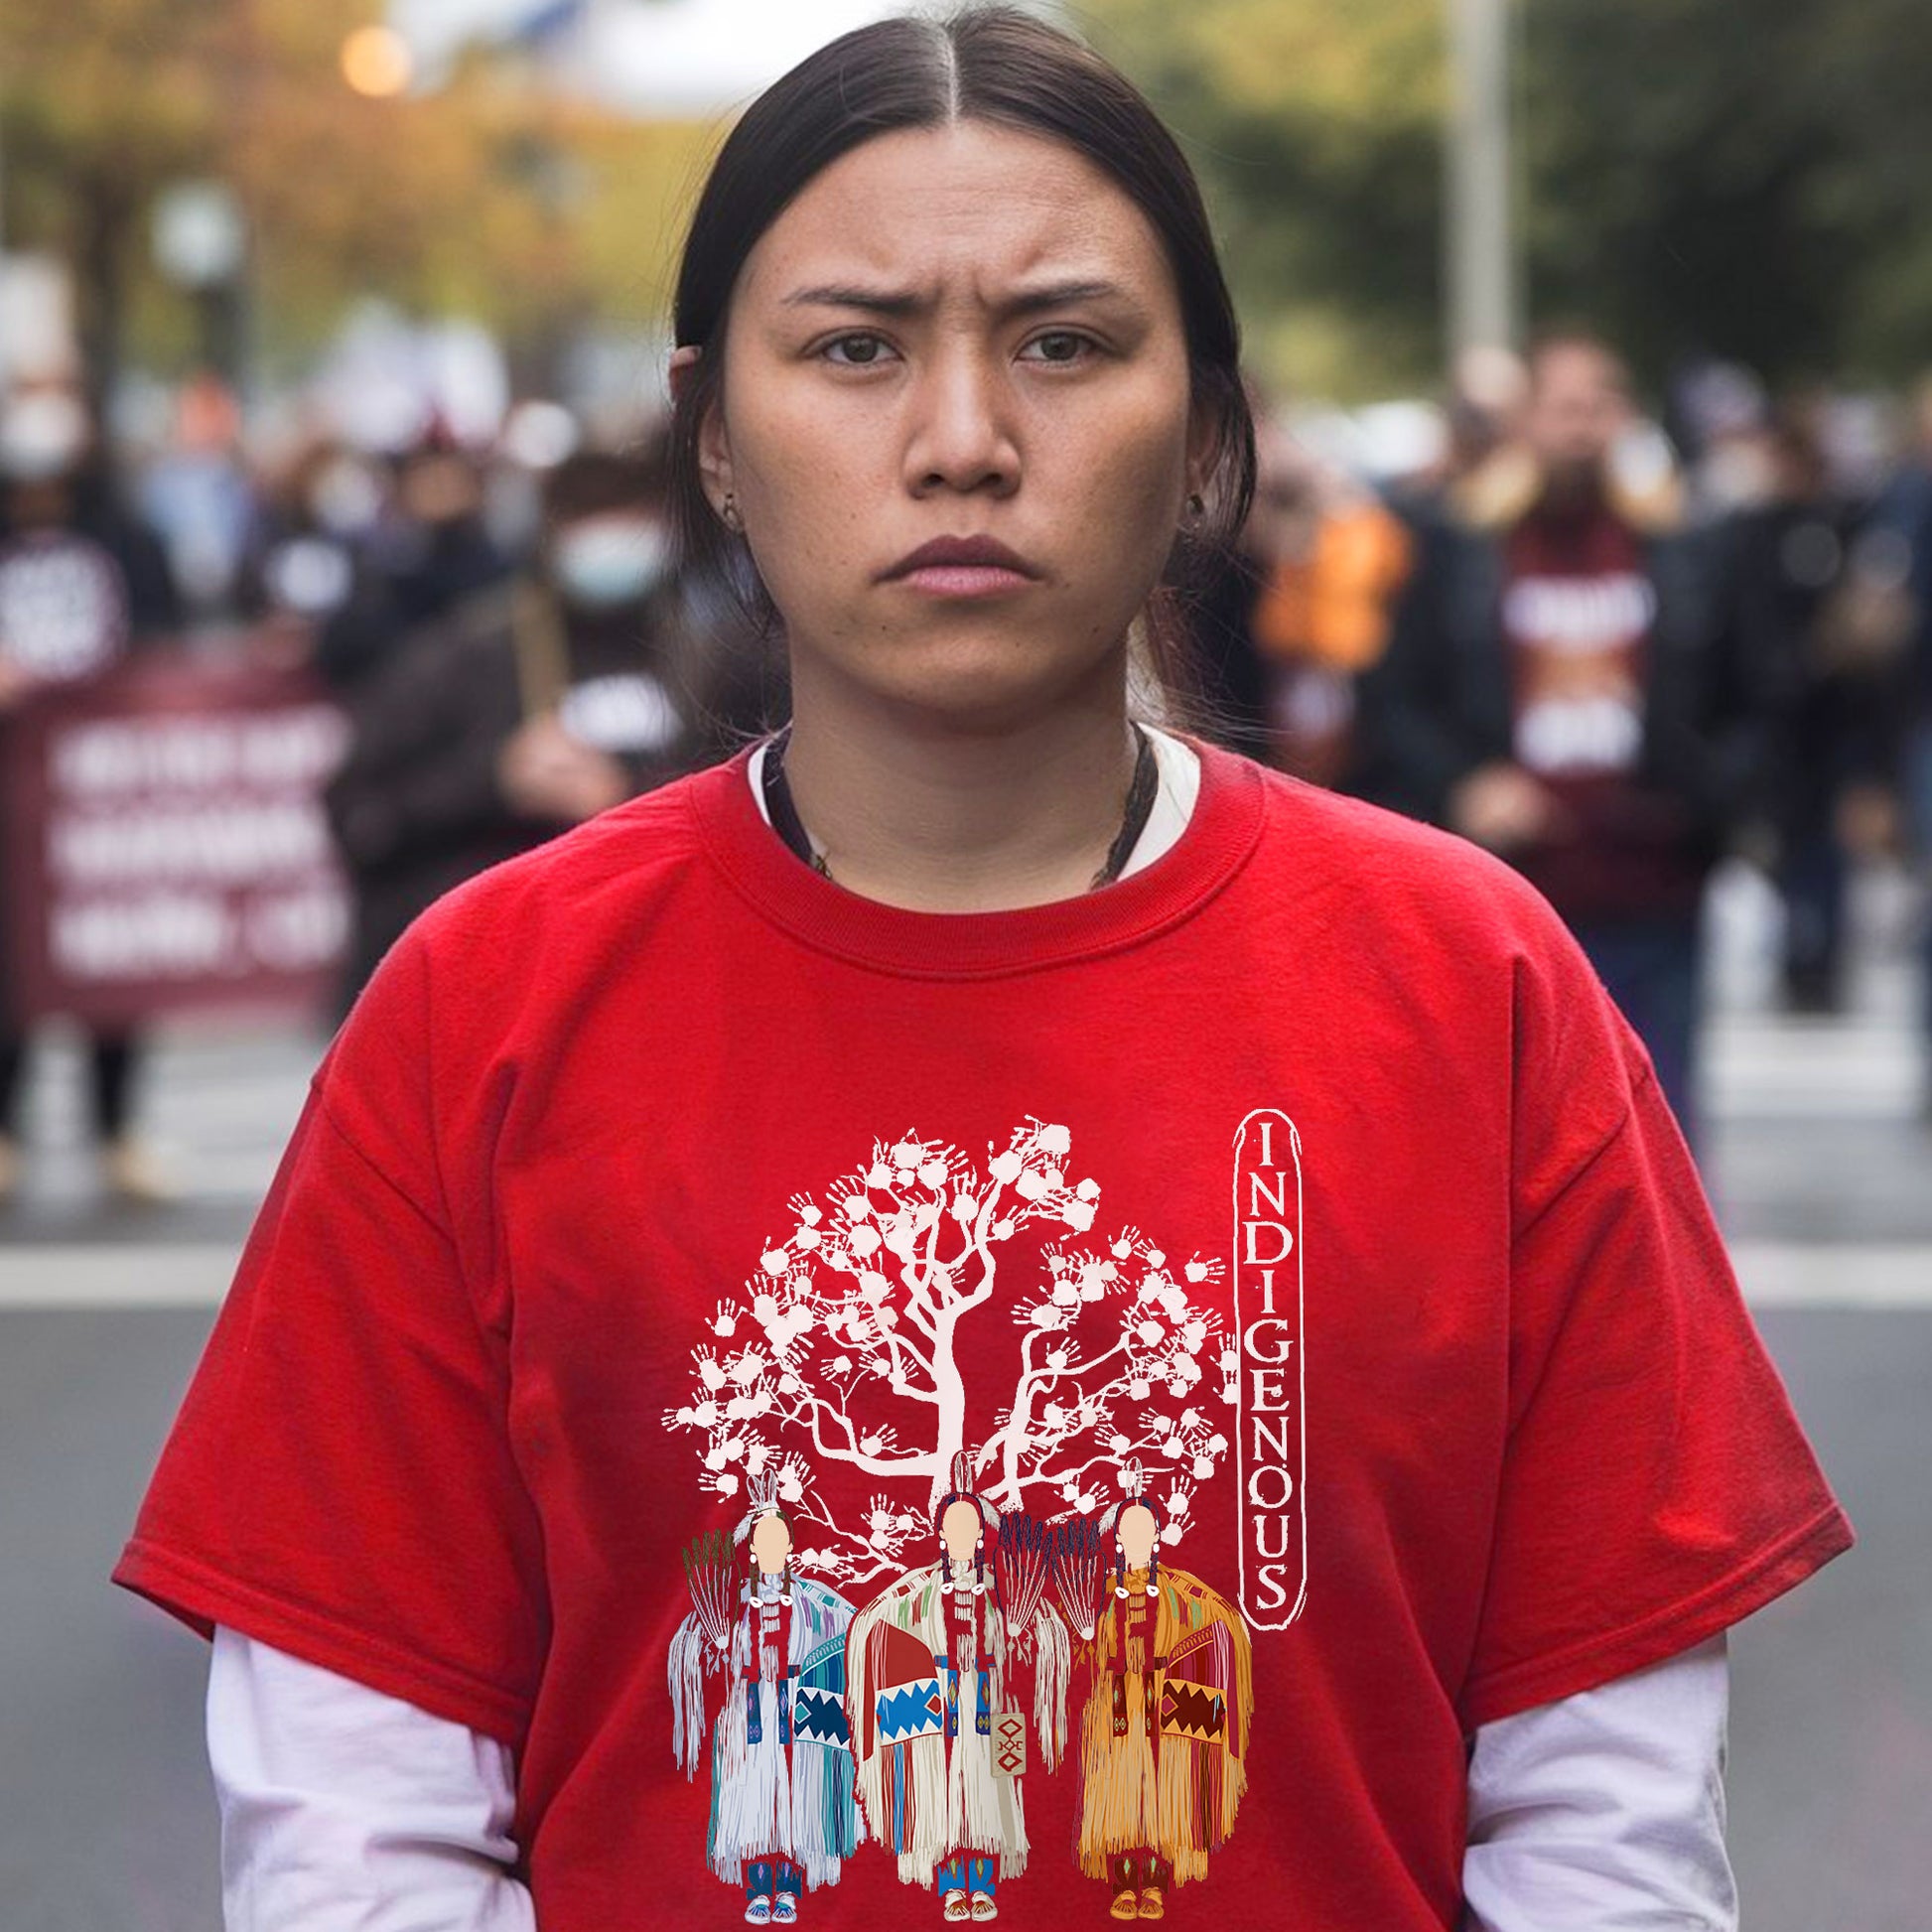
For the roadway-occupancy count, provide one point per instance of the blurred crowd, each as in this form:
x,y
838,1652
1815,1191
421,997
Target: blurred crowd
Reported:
x,y
1615,648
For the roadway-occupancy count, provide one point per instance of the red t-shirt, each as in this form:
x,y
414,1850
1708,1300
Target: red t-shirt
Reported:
x,y
1314,1147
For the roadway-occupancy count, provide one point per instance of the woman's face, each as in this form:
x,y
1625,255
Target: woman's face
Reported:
x,y
771,1544
958,332
959,1529
1136,1531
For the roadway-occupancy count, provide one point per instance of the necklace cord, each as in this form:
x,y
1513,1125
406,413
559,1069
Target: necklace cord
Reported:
x,y
1141,793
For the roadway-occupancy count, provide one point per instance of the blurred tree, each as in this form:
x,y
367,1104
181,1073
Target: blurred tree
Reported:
x,y
1317,131
1696,176
488,196
1718,175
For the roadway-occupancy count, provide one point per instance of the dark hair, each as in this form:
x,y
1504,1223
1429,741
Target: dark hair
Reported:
x,y
999,66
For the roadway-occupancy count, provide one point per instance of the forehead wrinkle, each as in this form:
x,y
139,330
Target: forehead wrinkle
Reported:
x,y
885,298
1014,219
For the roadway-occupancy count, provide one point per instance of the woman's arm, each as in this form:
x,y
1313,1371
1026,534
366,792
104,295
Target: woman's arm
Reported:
x,y
345,1808
1606,1810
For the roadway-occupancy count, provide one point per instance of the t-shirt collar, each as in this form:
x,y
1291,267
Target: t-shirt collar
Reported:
x,y
1219,834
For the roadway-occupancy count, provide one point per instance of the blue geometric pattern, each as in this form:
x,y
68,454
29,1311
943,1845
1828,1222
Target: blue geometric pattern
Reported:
x,y
825,1666
820,1717
909,1710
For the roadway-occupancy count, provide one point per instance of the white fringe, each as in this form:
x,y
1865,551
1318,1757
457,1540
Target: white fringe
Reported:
x,y
960,1802
766,1798
984,1812
1052,1667
691,1654
814,1769
750,1795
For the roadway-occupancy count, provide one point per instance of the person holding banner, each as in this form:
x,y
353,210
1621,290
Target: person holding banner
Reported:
x,y
81,584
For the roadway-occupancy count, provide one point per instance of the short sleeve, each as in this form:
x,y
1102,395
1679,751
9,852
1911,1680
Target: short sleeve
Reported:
x,y
338,1483
1656,1486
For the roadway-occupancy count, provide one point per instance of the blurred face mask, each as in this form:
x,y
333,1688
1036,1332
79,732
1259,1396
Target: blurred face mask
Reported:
x,y
604,562
42,437
345,499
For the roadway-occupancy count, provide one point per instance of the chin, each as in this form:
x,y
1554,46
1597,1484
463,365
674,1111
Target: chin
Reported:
x,y
986,678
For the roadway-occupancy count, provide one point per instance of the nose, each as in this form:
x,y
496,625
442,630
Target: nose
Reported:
x,y
961,433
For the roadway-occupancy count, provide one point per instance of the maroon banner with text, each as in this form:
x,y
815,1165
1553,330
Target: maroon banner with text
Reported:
x,y
164,846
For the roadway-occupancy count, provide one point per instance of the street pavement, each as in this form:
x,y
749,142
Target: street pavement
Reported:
x,y
1817,1158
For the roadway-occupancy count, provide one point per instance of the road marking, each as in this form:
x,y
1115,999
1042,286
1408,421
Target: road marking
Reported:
x,y
135,1275
1834,1274
116,1275
1757,1068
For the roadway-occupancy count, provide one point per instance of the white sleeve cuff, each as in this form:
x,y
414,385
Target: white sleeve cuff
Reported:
x,y
1606,1809
345,1810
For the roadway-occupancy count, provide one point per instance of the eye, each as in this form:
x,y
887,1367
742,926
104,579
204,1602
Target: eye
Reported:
x,y
1064,346
862,351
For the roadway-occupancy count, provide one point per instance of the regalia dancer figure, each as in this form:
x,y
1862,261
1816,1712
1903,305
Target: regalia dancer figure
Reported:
x,y
1163,1737
783,1816
937,1730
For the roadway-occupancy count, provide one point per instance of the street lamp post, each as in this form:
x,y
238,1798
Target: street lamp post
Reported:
x,y
1479,254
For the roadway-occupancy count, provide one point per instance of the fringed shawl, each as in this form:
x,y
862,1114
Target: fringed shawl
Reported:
x,y
925,1793
1163,1741
780,1770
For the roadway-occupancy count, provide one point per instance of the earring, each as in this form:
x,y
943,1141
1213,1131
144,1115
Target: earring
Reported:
x,y
732,519
1196,504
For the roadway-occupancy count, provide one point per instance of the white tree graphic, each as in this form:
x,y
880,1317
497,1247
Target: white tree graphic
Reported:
x,y
866,1299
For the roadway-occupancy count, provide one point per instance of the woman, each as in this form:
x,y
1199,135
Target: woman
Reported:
x,y
930,1667
781,1813
1170,1706
886,1089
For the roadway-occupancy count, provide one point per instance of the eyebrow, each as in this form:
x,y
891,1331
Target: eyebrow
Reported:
x,y
893,302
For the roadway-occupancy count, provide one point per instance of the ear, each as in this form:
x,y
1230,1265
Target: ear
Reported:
x,y
1204,437
714,445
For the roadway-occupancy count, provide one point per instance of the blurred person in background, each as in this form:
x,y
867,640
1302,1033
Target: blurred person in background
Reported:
x,y
1299,610
80,583
1818,607
1489,392
1901,528
426,552
1722,423
1337,560
1561,688
305,569
199,497
530,708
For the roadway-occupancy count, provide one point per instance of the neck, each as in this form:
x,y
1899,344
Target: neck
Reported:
x,y
1573,493
959,815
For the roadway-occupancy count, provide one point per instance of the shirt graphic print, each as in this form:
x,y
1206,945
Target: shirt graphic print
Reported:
x,y
1125,1377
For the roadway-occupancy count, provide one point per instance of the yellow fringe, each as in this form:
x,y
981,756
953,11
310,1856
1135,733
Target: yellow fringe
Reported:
x,y
1125,1803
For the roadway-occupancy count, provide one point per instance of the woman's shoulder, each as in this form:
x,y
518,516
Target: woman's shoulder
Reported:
x,y
611,868
1383,873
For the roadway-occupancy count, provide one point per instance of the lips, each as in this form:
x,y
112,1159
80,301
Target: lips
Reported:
x,y
962,554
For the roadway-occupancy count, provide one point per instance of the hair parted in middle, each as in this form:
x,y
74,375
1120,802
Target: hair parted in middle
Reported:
x,y
999,66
